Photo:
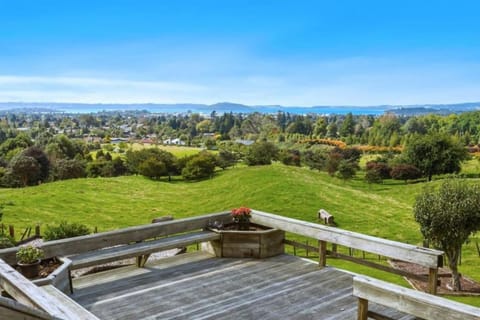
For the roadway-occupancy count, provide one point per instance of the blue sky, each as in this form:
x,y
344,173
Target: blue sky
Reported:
x,y
298,53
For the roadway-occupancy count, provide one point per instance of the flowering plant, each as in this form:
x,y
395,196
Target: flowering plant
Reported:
x,y
29,254
242,214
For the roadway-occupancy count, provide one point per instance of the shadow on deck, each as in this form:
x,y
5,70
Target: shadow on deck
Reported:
x,y
200,286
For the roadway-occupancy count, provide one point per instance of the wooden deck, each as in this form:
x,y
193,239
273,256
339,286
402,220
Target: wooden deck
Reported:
x,y
199,286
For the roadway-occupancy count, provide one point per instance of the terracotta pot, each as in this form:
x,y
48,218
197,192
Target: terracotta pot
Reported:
x,y
30,270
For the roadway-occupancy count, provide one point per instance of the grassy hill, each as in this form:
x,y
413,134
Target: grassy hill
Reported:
x,y
379,210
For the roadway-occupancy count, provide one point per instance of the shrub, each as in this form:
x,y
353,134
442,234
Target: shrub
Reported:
x,y
261,153
199,166
382,169
6,242
373,176
405,172
68,169
290,157
65,230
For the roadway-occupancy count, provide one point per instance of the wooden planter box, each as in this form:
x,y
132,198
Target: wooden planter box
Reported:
x,y
247,244
60,278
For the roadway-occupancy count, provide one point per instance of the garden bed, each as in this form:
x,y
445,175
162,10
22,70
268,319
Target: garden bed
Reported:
x,y
469,286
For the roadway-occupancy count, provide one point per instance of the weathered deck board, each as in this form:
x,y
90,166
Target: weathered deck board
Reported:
x,y
202,287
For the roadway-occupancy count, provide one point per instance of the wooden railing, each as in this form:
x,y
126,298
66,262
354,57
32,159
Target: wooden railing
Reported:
x,y
432,259
30,298
406,300
34,301
76,245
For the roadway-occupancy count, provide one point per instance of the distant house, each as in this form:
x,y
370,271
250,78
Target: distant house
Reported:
x,y
245,142
175,141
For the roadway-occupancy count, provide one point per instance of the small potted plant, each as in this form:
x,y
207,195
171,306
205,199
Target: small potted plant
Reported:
x,y
241,217
28,260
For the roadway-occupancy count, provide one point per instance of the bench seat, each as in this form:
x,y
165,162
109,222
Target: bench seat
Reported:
x,y
96,257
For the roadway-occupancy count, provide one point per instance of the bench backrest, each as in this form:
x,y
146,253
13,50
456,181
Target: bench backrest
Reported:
x,y
65,247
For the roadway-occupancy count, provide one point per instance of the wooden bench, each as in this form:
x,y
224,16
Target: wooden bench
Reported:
x,y
140,250
326,217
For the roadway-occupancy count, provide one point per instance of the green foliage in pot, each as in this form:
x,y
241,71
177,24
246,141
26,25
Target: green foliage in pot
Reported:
x,y
29,254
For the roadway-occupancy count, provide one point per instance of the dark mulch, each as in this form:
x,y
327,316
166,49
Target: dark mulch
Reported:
x,y
47,266
469,286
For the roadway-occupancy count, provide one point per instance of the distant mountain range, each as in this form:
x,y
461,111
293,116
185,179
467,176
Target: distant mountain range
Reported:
x,y
223,107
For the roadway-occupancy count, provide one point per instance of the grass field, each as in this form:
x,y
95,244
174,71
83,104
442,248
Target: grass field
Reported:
x,y
383,210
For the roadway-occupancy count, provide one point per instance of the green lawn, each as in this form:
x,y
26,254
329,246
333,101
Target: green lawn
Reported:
x,y
383,210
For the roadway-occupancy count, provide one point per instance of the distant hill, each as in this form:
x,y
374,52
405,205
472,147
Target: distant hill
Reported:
x,y
223,107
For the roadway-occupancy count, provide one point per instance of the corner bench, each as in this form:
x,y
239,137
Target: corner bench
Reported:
x,y
140,250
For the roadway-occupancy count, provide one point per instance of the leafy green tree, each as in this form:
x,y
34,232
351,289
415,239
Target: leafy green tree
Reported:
x,y
346,170
24,168
348,125
290,157
64,169
152,168
199,166
435,154
373,176
405,172
226,159
315,159
135,159
261,153
447,217
41,157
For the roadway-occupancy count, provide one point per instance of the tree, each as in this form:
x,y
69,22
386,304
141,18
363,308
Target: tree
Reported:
x,y
226,159
314,159
199,166
346,170
405,172
25,168
348,125
42,159
64,169
435,154
261,153
136,158
447,217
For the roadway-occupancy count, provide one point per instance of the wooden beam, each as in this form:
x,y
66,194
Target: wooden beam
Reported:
x,y
322,254
362,309
432,280
25,292
14,310
65,247
423,256
410,301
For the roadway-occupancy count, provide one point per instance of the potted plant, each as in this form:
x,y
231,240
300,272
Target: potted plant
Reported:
x,y
28,260
241,217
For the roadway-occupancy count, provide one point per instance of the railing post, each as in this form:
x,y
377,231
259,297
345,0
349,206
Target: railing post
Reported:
x,y
11,230
432,280
322,253
37,230
362,309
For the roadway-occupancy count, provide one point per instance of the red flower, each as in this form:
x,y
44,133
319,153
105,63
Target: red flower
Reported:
x,y
242,212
